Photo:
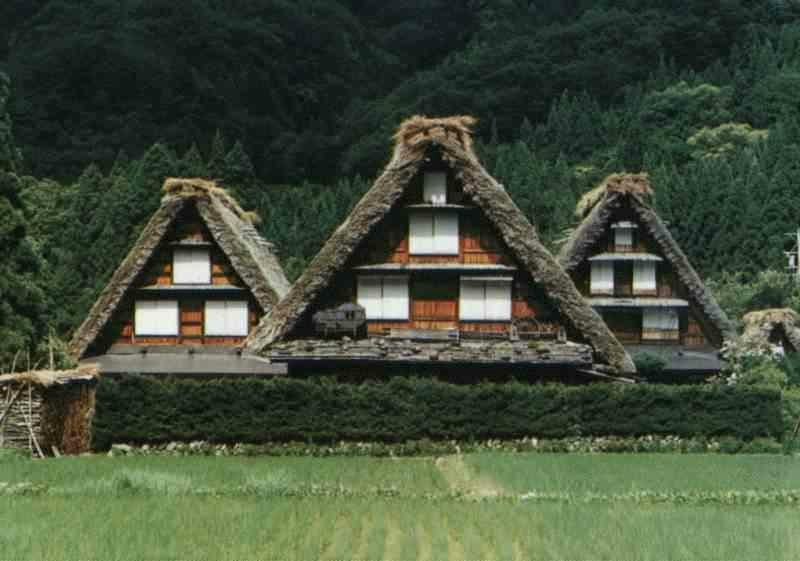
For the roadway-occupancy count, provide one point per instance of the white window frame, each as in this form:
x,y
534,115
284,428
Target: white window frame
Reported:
x,y
162,315
601,279
482,290
191,265
434,187
386,305
232,323
644,277
433,233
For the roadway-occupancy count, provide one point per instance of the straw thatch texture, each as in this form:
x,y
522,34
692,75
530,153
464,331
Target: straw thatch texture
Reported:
x,y
760,325
630,190
46,410
232,229
452,137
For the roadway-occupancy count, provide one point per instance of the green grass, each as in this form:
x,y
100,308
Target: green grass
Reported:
x,y
157,516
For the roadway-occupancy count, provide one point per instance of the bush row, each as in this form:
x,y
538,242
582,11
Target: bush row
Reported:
x,y
140,409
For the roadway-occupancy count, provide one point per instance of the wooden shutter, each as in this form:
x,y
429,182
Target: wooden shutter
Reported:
x,y
395,298
191,266
369,296
644,277
420,233
445,237
156,317
602,277
434,188
472,300
498,300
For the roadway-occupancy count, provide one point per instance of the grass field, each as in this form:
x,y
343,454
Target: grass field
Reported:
x,y
457,507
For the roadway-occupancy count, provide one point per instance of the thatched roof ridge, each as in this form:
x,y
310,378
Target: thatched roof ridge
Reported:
x,y
413,139
759,325
231,227
576,249
638,183
49,378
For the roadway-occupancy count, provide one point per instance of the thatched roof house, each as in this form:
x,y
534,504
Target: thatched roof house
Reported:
x,y
198,263
439,150
630,268
773,329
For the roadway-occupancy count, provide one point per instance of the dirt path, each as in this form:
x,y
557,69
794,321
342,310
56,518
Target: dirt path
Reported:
x,y
462,479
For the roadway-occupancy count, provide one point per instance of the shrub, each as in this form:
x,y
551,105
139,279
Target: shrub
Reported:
x,y
649,365
764,372
150,410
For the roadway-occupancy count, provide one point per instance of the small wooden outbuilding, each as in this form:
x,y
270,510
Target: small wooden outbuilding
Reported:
x,y
48,411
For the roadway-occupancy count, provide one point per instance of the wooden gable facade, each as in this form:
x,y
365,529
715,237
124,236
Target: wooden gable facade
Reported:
x,y
190,290
629,268
469,282
198,280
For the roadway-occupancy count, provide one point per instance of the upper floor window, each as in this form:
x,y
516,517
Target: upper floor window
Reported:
x,y
191,266
433,233
602,277
384,297
156,317
434,187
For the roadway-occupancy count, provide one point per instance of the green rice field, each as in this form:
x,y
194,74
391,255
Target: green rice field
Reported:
x,y
480,506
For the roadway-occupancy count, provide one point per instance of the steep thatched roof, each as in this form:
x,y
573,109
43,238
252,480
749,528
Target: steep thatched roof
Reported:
x,y
599,207
452,135
49,378
759,325
231,228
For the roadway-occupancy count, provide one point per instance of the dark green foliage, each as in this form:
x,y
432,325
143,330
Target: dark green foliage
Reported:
x,y
649,365
143,409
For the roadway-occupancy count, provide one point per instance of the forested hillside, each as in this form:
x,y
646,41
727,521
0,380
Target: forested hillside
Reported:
x,y
291,105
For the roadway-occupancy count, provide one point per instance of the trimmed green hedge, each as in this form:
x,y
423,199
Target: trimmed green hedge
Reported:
x,y
140,409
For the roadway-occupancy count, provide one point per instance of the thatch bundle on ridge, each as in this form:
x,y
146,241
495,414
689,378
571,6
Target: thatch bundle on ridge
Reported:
x,y
635,183
763,328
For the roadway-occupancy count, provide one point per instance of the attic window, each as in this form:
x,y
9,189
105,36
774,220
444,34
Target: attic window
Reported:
x,y
226,318
602,278
433,233
156,318
434,187
191,266
485,299
384,297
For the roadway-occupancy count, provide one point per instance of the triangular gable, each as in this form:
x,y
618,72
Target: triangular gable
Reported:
x,y
599,208
452,137
231,228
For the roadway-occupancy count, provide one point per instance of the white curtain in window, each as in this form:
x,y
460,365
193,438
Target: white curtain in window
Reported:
x,y
226,318
602,277
191,266
434,189
420,233
498,300
370,296
395,298
445,230
623,238
156,317
660,319
481,300
383,297
644,276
